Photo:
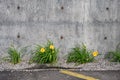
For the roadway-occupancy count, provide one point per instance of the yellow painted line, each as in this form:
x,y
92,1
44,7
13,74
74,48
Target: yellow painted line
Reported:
x,y
77,75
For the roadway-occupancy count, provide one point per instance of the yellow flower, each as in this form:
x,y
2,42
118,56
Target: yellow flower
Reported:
x,y
42,50
95,53
52,47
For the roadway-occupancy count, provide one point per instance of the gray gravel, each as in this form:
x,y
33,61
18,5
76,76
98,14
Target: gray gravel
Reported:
x,y
21,65
98,65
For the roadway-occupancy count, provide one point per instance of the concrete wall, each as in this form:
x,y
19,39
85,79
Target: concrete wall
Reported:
x,y
66,22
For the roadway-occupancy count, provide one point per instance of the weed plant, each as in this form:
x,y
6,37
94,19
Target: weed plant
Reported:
x,y
113,56
14,55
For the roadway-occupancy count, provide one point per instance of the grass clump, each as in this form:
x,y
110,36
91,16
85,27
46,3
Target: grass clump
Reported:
x,y
14,55
45,54
113,56
80,55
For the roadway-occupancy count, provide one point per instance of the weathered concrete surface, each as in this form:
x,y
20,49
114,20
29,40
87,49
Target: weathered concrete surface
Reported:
x,y
56,75
66,22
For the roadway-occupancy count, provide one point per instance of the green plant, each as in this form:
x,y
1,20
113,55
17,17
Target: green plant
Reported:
x,y
80,55
14,55
45,54
113,56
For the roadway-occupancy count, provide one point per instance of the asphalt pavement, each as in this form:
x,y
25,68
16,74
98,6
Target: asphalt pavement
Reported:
x,y
57,75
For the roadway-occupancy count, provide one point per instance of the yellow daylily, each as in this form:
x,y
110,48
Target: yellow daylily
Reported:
x,y
52,47
42,50
95,53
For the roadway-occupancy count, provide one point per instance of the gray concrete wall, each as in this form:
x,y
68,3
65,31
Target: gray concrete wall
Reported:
x,y
66,22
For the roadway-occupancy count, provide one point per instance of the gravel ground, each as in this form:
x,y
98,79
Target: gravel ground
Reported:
x,y
101,65
98,65
21,65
